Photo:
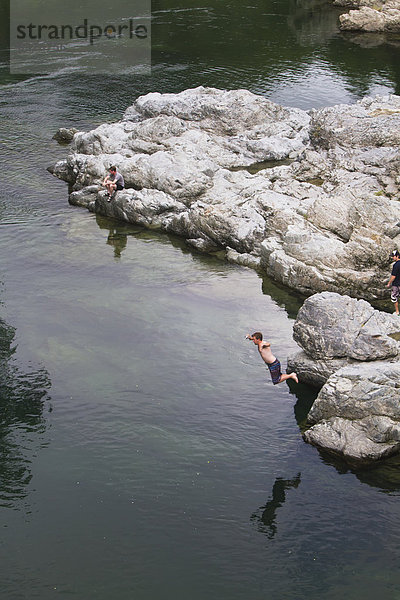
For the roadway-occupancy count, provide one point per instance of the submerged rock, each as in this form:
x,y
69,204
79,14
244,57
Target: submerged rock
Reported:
x,y
323,217
65,135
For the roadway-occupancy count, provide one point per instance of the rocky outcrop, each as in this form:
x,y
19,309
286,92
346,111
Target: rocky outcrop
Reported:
x,y
357,412
330,326
65,135
370,15
353,352
311,198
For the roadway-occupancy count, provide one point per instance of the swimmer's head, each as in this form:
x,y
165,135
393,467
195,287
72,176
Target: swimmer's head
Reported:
x,y
257,336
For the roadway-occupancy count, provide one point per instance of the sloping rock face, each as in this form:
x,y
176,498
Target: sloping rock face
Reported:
x,y
330,326
203,164
370,15
357,412
353,352
335,331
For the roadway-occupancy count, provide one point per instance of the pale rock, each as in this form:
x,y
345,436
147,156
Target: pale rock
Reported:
x,y
357,412
332,326
326,219
352,352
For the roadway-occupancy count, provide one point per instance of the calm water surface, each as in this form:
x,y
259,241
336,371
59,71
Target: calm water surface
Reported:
x,y
144,452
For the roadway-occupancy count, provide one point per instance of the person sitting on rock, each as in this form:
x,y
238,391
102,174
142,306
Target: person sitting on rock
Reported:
x,y
271,361
394,280
113,182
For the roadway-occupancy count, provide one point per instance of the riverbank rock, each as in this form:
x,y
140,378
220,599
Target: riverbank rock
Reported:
x,y
370,15
311,198
357,412
352,351
64,135
335,331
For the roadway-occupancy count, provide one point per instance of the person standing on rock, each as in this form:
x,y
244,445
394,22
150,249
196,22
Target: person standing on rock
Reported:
x,y
394,280
114,181
271,361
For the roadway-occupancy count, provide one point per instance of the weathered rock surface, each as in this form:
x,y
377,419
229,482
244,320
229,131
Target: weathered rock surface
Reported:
x,y
324,218
370,15
334,331
330,326
314,371
64,135
353,352
357,412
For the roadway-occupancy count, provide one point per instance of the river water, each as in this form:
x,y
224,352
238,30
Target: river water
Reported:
x,y
144,452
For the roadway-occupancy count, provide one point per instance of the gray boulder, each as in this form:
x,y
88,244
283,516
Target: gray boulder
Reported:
x,y
332,326
314,371
370,15
65,135
334,331
351,351
357,412
369,122
325,217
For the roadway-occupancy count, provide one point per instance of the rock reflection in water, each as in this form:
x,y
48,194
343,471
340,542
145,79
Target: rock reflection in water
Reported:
x,y
265,516
384,475
117,233
313,22
22,398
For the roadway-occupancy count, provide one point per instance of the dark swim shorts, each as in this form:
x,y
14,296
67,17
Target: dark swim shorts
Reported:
x,y
119,187
275,370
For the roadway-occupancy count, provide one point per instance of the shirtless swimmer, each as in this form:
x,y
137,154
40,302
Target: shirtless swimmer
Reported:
x,y
270,360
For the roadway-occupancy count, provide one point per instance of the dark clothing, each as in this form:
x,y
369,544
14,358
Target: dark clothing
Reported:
x,y
275,370
396,272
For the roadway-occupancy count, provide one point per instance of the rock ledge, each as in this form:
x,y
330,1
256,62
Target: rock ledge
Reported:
x,y
311,198
355,355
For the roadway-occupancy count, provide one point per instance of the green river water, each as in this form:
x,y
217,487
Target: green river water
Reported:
x,y
144,453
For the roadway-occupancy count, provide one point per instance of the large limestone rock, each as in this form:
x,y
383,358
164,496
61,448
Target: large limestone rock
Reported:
x,y
370,15
332,326
357,412
370,122
334,331
352,352
310,198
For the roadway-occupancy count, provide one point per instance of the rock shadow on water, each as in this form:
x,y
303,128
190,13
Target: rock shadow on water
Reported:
x,y
305,395
265,517
118,233
23,395
383,476
288,299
